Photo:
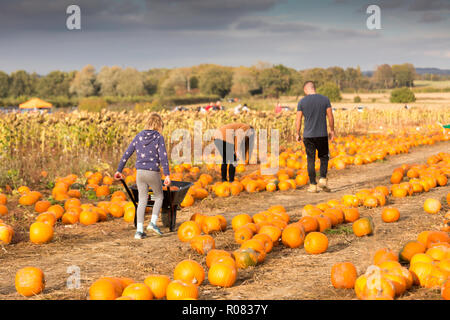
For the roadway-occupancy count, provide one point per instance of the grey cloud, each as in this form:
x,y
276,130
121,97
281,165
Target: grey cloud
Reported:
x,y
429,5
431,17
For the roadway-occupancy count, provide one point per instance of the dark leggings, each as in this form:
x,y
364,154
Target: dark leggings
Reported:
x,y
228,162
321,145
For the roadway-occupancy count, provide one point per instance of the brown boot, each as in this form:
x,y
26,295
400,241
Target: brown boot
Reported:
x,y
312,188
323,183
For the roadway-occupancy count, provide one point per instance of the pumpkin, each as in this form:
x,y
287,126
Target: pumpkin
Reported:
x,y
42,206
70,218
363,227
410,249
421,257
337,213
360,285
88,217
243,234
437,237
436,278
27,200
3,199
240,220
214,255
277,208
41,233
399,193
316,243
245,257
438,252
383,255
6,234
398,282
371,202
223,222
445,290
116,210
72,202
189,271
266,240
324,223
188,230
211,225
252,226
47,217
57,210
390,215
293,236
377,287
343,275
197,218
273,232
29,281
421,271
179,290
138,291
202,243
432,206
350,200
397,177
157,284
309,223
187,201
222,275
350,214
256,245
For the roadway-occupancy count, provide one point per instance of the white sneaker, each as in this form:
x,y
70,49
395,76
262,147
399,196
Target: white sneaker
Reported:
x,y
154,228
323,183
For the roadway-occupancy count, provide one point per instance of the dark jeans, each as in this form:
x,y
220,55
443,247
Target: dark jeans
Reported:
x,y
229,159
321,145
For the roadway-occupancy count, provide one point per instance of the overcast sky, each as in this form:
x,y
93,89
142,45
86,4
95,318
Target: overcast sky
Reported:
x,y
173,33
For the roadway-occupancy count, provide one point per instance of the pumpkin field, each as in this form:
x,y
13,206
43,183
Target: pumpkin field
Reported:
x,y
383,232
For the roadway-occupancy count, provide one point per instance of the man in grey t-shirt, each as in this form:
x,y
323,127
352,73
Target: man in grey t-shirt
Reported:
x,y
315,108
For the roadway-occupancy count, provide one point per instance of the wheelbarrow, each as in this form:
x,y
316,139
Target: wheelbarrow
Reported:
x,y
173,196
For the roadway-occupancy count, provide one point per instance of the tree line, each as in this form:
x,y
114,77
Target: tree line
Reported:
x,y
263,79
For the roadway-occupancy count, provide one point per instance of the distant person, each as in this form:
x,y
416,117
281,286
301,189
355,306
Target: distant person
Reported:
x,y
237,109
245,108
209,106
278,108
229,139
316,108
150,155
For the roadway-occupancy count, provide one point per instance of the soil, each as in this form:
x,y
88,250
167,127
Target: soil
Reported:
x,y
109,249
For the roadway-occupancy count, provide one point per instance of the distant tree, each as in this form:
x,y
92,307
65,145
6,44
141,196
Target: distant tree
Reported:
x,y
216,80
153,79
84,84
130,83
336,75
4,84
21,84
404,75
383,76
402,95
244,81
318,75
331,91
177,83
54,84
107,80
275,81
353,78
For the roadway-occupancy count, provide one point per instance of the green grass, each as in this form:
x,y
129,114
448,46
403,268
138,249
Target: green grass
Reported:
x,y
432,84
343,229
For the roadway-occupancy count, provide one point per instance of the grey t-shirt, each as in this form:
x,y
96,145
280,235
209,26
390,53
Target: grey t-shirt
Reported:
x,y
314,108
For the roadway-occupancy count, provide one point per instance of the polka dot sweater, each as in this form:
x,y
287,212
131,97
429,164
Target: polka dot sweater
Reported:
x,y
150,150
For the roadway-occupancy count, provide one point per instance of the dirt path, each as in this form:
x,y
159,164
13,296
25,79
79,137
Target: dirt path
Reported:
x,y
107,249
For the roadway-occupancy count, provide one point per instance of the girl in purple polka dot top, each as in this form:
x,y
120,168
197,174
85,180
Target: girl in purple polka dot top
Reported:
x,y
151,153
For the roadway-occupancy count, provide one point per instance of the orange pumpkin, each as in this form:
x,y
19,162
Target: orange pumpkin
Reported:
x,y
293,236
41,233
316,243
189,271
245,257
309,223
29,281
383,255
188,230
266,240
273,232
390,215
243,234
240,220
138,291
432,206
350,214
88,217
214,255
410,249
343,275
202,243
179,290
256,245
42,206
211,224
222,275
157,285
363,227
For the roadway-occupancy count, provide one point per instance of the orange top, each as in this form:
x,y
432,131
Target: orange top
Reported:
x,y
236,131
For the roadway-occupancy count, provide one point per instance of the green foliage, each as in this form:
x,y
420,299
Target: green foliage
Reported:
x,y
275,81
216,80
4,84
331,91
402,95
92,104
357,99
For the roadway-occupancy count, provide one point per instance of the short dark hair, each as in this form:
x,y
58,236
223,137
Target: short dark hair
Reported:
x,y
309,82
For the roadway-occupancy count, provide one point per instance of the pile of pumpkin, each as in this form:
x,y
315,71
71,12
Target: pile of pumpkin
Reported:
x,y
6,231
429,267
